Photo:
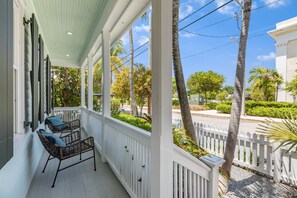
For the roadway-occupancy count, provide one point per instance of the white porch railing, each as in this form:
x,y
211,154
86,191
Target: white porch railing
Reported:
x,y
253,151
127,150
67,113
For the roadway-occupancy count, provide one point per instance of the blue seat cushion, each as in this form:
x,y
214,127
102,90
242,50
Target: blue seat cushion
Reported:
x,y
56,121
53,138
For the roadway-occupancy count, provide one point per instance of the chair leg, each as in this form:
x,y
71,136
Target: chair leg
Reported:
x,y
94,159
58,169
46,163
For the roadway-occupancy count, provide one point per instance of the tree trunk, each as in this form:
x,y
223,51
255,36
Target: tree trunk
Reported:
x,y
132,98
276,92
179,76
238,90
149,99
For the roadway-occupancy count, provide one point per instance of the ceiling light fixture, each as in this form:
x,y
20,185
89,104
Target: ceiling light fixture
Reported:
x,y
67,55
69,33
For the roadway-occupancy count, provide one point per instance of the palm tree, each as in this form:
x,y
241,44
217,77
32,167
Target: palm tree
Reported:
x,y
238,90
292,87
115,64
278,80
284,132
179,76
265,79
132,97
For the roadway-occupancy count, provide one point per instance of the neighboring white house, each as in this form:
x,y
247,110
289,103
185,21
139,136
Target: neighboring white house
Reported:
x,y
285,36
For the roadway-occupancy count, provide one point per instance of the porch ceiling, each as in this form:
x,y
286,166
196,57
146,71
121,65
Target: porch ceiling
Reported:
x,y
57,17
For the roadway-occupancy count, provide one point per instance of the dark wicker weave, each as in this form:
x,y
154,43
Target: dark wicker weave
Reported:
x,y
74,146
64,127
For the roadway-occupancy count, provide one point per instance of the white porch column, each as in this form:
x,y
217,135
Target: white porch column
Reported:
x,y
161,139
82,87
106,86
90,82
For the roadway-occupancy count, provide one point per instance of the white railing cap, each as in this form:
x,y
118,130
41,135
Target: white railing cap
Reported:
x,y
212,160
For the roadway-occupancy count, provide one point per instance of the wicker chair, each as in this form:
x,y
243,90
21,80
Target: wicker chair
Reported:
x,y
63,128
74,147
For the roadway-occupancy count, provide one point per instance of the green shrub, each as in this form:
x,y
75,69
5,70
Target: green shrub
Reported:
x,y
253,104
262,108
135,121
115,106
212,105
271,112
175,102
186,143
223,108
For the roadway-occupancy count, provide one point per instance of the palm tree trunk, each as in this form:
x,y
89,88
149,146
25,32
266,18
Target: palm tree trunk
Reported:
x,y
238,90
132,98
149,99
179,76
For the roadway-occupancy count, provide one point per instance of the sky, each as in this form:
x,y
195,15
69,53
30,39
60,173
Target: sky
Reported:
x,y
209,45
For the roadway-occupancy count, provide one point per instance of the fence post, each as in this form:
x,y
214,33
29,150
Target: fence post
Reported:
x,y
277,163
213,162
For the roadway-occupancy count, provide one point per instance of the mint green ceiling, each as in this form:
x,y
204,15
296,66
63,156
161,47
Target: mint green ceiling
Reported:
x,y
57,17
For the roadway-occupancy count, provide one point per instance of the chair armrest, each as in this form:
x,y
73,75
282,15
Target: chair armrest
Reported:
x,y
72,137
77,148
74,124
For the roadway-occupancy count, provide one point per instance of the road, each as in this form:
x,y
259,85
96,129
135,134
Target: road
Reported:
x,y
245,126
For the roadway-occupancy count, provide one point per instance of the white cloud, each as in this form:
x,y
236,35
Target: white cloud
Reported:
x,y
268,57
187,35
274,3
229,9
142,40
141,28
254,5
185,10
200,2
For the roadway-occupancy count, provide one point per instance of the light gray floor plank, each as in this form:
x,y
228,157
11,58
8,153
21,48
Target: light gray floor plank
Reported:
x,y
79,181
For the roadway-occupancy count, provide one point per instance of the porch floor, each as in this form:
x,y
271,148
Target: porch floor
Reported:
x,y
79,181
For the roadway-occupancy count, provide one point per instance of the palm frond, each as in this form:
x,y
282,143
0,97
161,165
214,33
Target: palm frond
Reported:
x,y
284,132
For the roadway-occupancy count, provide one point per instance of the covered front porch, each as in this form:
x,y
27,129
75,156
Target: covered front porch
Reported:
x,y
130,161
78,181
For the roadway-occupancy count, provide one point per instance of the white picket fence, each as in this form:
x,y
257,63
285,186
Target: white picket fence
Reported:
x,y
252,151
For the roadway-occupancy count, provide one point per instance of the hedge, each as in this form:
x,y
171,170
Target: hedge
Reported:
x,y
223,108
271,112
212,105
264,109
135,121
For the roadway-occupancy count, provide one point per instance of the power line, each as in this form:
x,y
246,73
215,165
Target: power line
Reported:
x,y
135,50
179,22
211,36
196,11
225,36
217,47
205,15
202,27
227,19
130,59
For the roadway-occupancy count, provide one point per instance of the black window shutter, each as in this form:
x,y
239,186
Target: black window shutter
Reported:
x,y
6,81
48,85
34,73
41,79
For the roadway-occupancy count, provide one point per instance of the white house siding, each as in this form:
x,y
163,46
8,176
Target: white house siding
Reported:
x,y
285,36
16,175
